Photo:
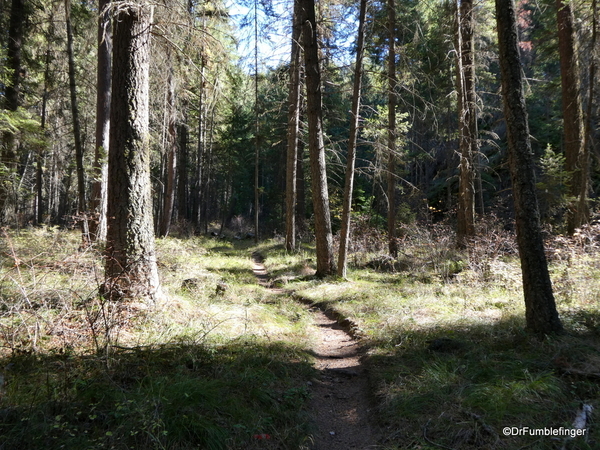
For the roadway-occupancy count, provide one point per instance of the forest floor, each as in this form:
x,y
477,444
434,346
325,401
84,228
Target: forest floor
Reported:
x,y
424,351
340,401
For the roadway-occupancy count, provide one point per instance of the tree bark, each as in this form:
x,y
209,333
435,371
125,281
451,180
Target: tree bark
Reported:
x,y
131,269
256,129
98,199
171,168
391,168
183,205
467,120
292,133
576,162
39,171
14,50
81,202
540,309
324,238
351,158
589,120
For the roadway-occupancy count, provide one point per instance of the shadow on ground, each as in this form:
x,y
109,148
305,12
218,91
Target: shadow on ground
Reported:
x,y
458,386
243,395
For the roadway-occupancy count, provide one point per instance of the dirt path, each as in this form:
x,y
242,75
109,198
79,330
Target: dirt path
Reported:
x,y
339,401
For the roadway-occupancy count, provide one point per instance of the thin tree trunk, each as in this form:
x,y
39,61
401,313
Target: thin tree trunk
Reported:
x,y
540,309
183,207
351,158
292,133
131,270
14,50
588,146
81,203
575,155
300,191
39,173
100,169
256,127
391,167
467,120
324,238
199,193
171,168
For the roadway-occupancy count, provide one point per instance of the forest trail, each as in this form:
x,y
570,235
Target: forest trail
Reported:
x,y
339,395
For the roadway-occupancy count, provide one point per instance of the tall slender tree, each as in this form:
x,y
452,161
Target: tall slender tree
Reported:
x,y
392,132
351,158
576,157
540,309
589,120
98,196
292,132
171,152
314,113
81,200
467,118
256,128
12,98
131,270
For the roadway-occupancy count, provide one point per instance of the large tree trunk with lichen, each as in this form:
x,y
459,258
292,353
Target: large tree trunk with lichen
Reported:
x,y
316,146
131,269
540,309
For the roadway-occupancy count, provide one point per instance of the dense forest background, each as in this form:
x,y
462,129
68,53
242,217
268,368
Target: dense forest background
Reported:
x,y
216,114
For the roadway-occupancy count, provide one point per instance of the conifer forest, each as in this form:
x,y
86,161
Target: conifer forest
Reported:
x,y
202,200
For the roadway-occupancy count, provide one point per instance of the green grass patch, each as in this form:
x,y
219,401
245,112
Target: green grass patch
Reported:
x,y
225,361
222,364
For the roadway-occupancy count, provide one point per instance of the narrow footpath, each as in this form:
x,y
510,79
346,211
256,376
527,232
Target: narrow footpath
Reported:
x,y
339,401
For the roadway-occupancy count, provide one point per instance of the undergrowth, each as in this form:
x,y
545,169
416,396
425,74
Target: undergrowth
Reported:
x,y
223,364
450,363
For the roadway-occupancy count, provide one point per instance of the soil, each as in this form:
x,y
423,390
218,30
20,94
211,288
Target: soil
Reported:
x,y
339,402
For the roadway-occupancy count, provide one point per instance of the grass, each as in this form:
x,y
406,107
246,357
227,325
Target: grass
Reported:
x,y
450,365
211,368
491,374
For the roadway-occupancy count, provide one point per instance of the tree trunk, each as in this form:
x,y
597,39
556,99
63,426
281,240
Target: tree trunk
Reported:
x,y
256,128
324,238
131,269
183,206
589,120
39,172
540,310
467,119
351,158
575,156
391,169
81,203
100,169
198,193
292,133
300,191
8,151
171,169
